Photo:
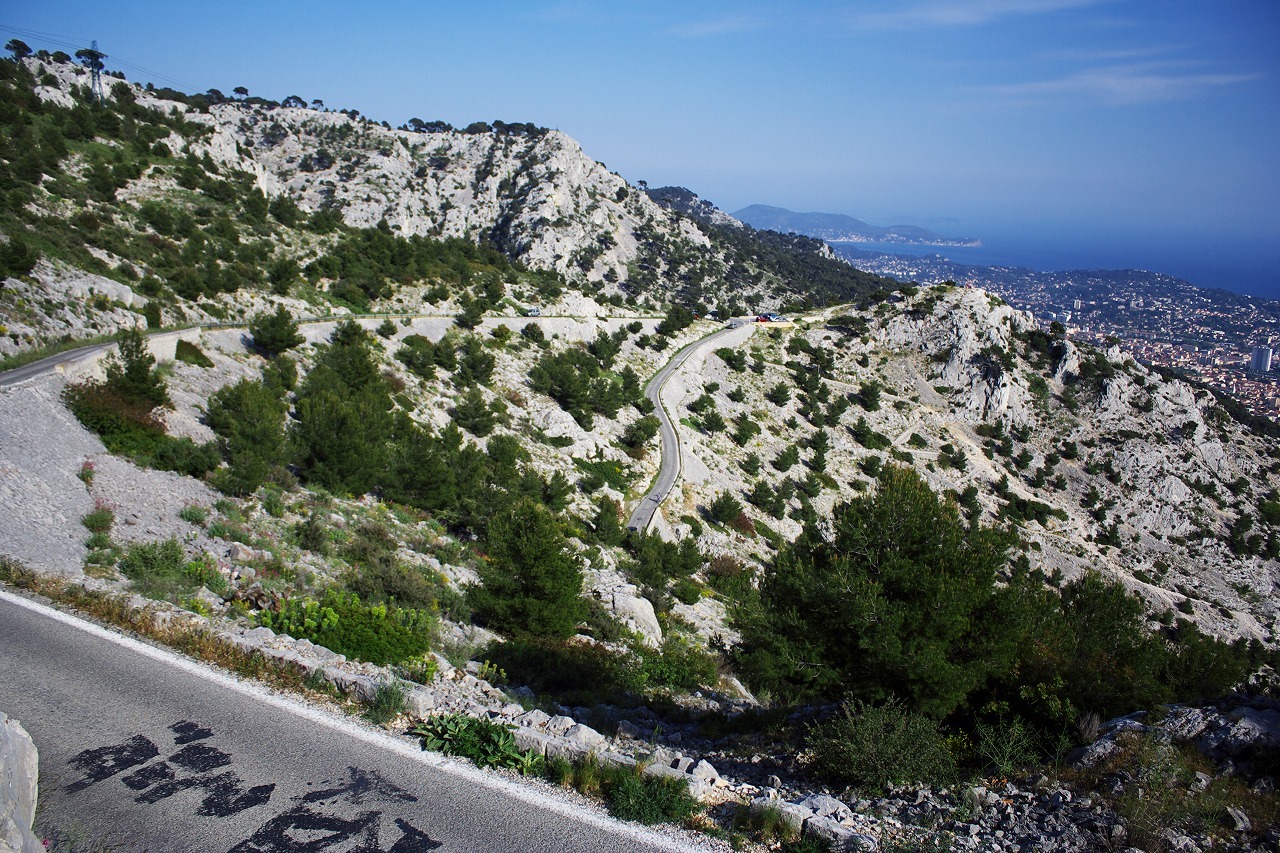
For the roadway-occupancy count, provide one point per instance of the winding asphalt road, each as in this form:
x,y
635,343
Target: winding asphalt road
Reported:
x,y
35,368
669,467
142,750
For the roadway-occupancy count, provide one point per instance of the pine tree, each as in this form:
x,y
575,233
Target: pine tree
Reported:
x,y
899,599
275,333
131,373
532,582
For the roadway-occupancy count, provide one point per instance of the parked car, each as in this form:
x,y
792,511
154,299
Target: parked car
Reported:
x,y
533,312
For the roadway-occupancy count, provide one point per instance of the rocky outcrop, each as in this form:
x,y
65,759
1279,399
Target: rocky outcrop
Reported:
x,y
1240,734
19,772
56,302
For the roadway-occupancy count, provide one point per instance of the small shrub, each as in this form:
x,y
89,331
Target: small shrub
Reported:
x,y
678,665
155,568
195,514
770,825
312,533
388,702
273,503
600,472
728,576
686,591
575,673
865,746
98,541
648,799
100,518
725,508
86,472
1006,745
421,670
204,572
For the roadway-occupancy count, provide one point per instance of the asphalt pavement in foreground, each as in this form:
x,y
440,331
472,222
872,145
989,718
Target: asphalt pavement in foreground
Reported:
x,y
144,750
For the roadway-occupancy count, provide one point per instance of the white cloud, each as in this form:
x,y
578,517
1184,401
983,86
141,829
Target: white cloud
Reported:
x,y
1134,84
952,13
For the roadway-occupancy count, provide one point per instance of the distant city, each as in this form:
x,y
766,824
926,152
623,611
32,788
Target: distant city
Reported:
x,y
1225,339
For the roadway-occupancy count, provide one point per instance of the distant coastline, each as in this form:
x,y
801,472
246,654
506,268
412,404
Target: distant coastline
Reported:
x,y
939,243
1243,269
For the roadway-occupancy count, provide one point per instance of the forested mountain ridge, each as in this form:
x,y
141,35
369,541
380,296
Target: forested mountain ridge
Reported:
x,y
154,189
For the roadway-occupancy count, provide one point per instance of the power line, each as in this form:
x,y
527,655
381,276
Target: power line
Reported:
x,y
70,42
52,38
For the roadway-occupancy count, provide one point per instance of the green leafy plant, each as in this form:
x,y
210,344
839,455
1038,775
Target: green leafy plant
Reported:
x,y
156,568
1007,745
340,621
484,742
422,670
631,795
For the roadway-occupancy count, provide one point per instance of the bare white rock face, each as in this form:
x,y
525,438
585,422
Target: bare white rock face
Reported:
x,y
19,771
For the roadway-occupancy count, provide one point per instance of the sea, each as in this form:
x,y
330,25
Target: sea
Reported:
x,y
1247,267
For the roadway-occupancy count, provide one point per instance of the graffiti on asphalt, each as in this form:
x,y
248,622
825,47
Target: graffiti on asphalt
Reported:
x,y
317,821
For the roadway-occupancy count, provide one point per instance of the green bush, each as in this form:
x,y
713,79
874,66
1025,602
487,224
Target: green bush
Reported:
x,y
678,665
639,433
600,472
484,742
575,673
129,427
312,533
388,702
1006,745
159,569
686,590
340,621
725,508
864,746
388,580
100,518
630,795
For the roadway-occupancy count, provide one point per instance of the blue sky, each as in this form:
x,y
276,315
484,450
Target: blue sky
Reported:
x,y
1148,121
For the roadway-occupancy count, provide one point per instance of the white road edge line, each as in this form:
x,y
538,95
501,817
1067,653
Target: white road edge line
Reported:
x,y
347,727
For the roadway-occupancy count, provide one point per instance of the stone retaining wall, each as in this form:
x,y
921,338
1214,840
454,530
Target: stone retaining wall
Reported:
x,y
454,691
